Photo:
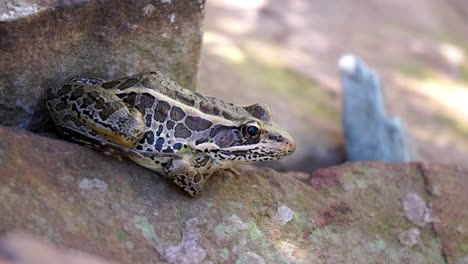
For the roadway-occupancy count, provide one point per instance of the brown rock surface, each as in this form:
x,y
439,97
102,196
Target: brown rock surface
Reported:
x,y
449,204
356,213
43,43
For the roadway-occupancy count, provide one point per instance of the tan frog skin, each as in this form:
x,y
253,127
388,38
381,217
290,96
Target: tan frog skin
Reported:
x,y
181,134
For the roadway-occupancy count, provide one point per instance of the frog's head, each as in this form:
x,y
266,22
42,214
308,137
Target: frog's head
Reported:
x,y
253,138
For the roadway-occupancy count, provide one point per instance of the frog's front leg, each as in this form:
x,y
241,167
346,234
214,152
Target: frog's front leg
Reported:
x,y
184,174
79,103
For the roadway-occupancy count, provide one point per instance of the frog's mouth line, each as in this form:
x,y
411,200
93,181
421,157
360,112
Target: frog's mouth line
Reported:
x,y
243,153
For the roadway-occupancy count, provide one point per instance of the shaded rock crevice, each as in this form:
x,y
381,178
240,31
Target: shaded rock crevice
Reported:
x,y
448,207
420,166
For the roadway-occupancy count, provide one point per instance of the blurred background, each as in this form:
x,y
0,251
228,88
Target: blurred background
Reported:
x,y
285,53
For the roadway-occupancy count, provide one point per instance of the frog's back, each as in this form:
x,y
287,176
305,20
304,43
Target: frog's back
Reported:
x,y
140,84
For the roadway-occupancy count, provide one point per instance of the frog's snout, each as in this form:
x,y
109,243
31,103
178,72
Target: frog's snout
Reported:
x,y
292,145
289,144
284,143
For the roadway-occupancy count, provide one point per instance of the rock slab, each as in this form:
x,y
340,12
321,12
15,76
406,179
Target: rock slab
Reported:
x,y
44,43
77,198
449,205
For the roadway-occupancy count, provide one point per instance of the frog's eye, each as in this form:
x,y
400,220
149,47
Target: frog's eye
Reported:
x,y
251,129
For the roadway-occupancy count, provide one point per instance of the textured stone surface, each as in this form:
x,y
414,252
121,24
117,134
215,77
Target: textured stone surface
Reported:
x,y
370,135
449,189
77,198
43,43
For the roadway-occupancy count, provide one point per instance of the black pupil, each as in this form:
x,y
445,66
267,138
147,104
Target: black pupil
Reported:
x,y
252,130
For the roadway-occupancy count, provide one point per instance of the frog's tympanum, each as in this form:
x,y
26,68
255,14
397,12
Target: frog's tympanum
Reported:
x,y
181,134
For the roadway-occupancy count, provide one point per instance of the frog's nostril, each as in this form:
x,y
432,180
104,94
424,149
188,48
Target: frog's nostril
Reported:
x,y
278,138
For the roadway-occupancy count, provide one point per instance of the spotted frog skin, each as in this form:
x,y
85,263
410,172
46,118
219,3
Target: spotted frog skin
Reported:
x,y
178,133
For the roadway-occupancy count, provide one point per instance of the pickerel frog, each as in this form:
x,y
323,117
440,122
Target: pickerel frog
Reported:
x,y
179,133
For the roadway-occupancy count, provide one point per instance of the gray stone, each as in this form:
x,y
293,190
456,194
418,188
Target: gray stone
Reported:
x,y
370,135
43,43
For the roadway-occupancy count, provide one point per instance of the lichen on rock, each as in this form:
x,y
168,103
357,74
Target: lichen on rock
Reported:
x,y
416,210
283,215
187,251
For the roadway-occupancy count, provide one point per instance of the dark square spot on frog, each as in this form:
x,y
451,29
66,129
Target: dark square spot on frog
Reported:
x,y
61,106
160,130
186,99
177,113
149,136
87,101
64,90
108,109
159,144
259,111
68,117
225,136
177,146
98,102
93,94
110,85
147,83
130,99
148,120
146,101
209,108
256,111
128,83
76,111
161,111
168,150
228,116
170,124
201,141
197,123
182,131
77,93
